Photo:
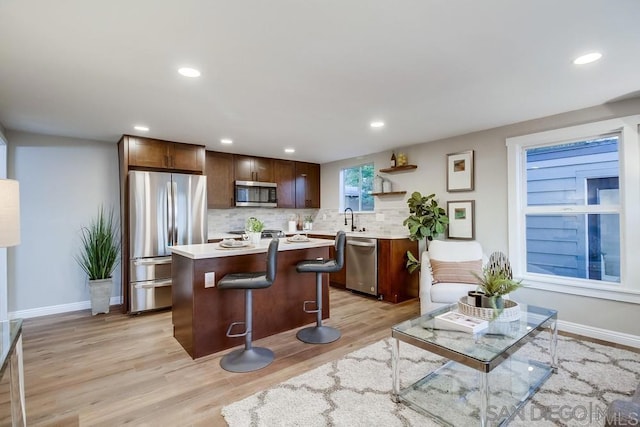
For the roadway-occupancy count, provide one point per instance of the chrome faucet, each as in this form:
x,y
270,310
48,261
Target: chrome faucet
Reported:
x,y
353,227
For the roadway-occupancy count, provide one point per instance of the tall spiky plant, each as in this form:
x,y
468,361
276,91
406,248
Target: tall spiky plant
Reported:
x,y
100,246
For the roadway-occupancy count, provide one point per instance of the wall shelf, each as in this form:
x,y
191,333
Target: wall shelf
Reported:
x,y
399,168
389,193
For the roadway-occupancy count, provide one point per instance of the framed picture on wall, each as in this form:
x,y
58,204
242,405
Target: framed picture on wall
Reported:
x,y
461,224
460,171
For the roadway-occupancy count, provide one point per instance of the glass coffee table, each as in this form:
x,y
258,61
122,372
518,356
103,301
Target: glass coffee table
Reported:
x,y
486,380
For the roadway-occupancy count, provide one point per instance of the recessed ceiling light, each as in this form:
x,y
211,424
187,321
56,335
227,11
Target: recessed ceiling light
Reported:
x,y
226,141
141,128
189,72
588,58
377,124
289,150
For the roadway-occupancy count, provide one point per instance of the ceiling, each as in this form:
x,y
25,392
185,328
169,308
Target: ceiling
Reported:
x,y
311,74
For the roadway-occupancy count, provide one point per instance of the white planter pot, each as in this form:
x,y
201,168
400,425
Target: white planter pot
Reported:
x,y
100,291
254,237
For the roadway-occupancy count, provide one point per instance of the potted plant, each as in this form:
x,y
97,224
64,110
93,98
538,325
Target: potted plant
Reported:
x,y
426,221
307,223
254,228
494,284
98,258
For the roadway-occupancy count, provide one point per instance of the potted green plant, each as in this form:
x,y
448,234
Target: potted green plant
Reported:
x,y
426,221
495,284
307,224
253,228
99,256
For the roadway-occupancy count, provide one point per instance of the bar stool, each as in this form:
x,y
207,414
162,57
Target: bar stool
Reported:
x,y
320,334
249,358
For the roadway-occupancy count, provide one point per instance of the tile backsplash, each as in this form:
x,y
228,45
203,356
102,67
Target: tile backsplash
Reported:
x,y
382,220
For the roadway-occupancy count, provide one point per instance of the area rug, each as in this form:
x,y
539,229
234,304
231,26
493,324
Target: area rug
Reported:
x,y
356,389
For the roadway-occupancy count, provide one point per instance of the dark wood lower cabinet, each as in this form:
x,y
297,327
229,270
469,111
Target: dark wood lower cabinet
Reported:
x,y
395,284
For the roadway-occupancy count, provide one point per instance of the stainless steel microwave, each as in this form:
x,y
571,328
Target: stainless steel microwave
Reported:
x,y
257,194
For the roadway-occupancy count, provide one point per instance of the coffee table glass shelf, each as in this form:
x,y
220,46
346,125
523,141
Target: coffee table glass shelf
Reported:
x,y
485,382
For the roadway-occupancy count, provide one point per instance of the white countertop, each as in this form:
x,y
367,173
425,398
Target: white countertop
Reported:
x,y
328,233
214,250
367,234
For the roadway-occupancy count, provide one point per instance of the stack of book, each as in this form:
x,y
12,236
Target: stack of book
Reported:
x,y
456,321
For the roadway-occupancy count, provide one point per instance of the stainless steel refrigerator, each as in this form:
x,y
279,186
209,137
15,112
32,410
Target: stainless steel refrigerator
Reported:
x,y
166,209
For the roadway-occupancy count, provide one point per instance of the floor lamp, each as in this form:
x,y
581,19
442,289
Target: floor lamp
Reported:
x,y
10,236
9,216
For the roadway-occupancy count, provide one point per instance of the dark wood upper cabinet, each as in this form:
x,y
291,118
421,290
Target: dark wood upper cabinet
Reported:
x,y
158,154
220,186
307,185
285,177
249,168
298,182
187,157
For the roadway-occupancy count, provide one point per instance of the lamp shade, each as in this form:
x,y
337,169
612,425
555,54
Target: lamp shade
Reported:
x,y
9,213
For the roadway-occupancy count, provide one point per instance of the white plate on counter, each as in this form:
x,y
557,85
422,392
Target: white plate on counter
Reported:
x,y
232,244
297,239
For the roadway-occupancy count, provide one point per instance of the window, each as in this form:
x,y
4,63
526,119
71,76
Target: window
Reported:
x,y
583,175
356,184
573,213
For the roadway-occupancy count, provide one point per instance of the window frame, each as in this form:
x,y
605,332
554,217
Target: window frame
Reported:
x,y
629,208
341,192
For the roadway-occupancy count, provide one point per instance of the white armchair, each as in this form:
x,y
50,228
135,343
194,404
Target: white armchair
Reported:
x,y
449,256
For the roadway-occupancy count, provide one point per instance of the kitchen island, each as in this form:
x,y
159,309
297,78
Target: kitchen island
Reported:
x,y
202,313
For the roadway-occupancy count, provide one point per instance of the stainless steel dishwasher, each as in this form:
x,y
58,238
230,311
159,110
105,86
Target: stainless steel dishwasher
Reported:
x,y
362,265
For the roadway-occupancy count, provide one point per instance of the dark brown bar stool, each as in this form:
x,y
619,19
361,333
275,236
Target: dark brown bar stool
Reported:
x,y
249,358
320,334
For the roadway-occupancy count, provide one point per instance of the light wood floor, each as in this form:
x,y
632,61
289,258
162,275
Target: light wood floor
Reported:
x,y
116,369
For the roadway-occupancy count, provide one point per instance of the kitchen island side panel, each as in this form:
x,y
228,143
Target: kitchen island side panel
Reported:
x,y
182,301
275,309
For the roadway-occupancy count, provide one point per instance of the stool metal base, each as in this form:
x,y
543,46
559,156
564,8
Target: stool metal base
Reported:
x,y
243,360
318,335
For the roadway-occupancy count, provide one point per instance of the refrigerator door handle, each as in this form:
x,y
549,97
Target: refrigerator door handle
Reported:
x,y
170,221
153,284
152,261
174,189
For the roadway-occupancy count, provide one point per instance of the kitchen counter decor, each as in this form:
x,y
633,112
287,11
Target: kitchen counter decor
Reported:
x,y
254,229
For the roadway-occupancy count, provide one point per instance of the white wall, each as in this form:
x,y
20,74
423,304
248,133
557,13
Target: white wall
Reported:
x,y
490,195
63,181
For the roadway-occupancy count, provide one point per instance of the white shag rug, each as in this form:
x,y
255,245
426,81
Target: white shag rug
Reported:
x,y
356,390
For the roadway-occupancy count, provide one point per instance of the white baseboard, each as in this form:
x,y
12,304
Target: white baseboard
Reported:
x,y
57,309
600,334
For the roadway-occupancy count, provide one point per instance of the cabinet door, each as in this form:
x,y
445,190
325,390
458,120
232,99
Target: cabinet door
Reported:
x,y
313,186
263,169
395,284
249,168
307,185
148,153
243,168
187,157
339,278
219,171
285,177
